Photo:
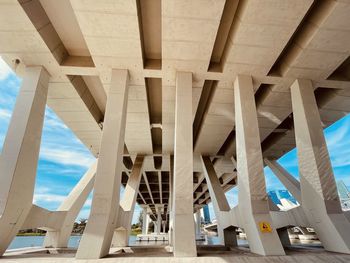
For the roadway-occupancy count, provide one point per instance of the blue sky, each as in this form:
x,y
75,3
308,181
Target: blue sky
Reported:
x,y
59,170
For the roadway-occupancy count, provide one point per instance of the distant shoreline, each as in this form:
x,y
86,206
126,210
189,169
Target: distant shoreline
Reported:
x,y
133,233
38,234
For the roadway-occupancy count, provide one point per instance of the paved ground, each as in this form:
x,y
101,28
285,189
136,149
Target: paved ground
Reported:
x,y
217,254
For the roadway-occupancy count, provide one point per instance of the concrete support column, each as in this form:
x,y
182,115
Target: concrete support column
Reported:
x,y
154,227
163,226
170,202
148,222
184,237
198,222
72,205
97,237
292,184
319,195
127,205
144,221
159,220
253,204
19,158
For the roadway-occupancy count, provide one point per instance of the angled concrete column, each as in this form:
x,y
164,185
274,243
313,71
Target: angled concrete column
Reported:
x,y
183,222
19,158
198,222
144,221
220,204
97,237
319,195
292,184
252,196
127,205
72,205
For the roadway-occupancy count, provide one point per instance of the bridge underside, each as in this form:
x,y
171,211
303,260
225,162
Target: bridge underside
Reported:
x,y
179,101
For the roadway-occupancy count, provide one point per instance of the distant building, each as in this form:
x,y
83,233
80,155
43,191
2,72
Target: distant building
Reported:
x,y
274,197
206,214
277,195
286,195
343,190
344,195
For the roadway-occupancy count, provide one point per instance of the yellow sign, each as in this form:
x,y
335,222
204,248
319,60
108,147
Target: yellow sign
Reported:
x,y
265,227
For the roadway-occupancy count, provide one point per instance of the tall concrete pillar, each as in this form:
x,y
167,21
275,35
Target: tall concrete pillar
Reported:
x,y
319,195
144,221
198,222
292,184
183,237
252,196
97,237
19,158
170,202
159,220
154,227
163,227
127,205
72,205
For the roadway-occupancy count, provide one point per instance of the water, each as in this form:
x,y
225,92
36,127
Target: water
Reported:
x,y
37,241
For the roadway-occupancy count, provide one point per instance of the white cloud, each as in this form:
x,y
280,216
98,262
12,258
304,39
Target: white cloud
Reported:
x,y
48,198
5,70
66,156
52,121
5,114
52,124
84,214
88,203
